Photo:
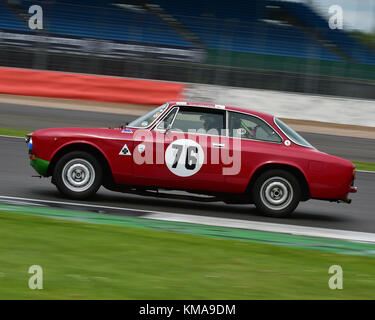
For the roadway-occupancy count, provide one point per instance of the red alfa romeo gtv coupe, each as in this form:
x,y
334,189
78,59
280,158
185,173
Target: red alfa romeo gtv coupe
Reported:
x,y
225,153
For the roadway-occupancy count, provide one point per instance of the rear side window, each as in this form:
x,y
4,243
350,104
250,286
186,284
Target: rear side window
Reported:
x,y
245,126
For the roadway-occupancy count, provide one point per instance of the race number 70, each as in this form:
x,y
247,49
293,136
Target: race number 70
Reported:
x,y
184,157
191,159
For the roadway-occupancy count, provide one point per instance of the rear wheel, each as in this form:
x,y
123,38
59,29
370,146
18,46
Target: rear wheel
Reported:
x,y
78,175
276,193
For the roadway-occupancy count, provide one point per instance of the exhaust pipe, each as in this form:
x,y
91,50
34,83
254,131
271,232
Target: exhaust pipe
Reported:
x,y
348,201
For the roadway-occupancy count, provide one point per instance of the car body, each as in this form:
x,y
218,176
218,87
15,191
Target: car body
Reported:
x,y
232,154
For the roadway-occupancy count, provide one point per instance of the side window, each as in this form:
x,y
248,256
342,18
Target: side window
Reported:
x,y
245,126
199,120
167,120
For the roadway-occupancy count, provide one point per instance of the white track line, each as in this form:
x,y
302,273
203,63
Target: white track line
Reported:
x,y
14,137
365,171
80,204
267,226
232,223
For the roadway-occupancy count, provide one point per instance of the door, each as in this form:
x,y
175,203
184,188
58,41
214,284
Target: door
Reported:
x,y
187,150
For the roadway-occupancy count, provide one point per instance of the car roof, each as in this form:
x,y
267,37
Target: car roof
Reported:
x,y
262,115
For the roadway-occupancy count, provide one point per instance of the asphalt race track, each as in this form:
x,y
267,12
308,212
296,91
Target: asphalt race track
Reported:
x,y
16,181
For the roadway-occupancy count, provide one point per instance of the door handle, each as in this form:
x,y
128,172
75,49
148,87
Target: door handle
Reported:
x,y
218,145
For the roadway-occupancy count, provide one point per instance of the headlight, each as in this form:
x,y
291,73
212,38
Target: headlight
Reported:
x,y
29,142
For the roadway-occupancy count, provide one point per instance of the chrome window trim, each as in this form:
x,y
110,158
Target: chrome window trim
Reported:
x,y
298,144
255,116
155,128
178,110
227,124
153,122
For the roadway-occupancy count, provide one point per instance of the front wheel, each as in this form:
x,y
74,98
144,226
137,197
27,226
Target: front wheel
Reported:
x,y
78,175
276,193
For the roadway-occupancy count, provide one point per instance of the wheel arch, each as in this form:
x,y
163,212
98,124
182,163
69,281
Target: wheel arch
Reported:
x,y
86,147
297,172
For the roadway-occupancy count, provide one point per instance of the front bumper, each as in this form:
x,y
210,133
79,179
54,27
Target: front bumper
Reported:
x,y
40,165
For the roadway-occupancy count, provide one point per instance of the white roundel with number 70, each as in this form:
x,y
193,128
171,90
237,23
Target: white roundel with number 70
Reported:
x,y
184,157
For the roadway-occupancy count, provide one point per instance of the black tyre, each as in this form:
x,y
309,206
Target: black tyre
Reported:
x,y
78,175
276,193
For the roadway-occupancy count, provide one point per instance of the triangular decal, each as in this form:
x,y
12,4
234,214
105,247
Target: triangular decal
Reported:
x,y
125,151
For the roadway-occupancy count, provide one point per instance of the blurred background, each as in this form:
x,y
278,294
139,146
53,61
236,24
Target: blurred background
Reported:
x,y
265,44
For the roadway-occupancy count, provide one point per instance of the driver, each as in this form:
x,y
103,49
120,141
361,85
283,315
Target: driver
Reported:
x,y
211,123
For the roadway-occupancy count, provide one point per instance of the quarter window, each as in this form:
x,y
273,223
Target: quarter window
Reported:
x,y
167,121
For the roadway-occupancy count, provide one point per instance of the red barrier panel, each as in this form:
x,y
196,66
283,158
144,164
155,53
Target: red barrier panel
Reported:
x,y
87,87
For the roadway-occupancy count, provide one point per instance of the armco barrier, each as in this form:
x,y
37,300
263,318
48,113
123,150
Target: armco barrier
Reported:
x,y
87,87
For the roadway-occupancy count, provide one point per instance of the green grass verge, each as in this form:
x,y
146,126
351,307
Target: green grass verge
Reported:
x,y
366,166
88,261
14,132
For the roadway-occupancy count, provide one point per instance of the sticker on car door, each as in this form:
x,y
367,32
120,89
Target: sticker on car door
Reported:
x,y
184,157
125,151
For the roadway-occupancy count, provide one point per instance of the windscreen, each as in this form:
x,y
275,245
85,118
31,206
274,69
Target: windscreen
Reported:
x,y
145,120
